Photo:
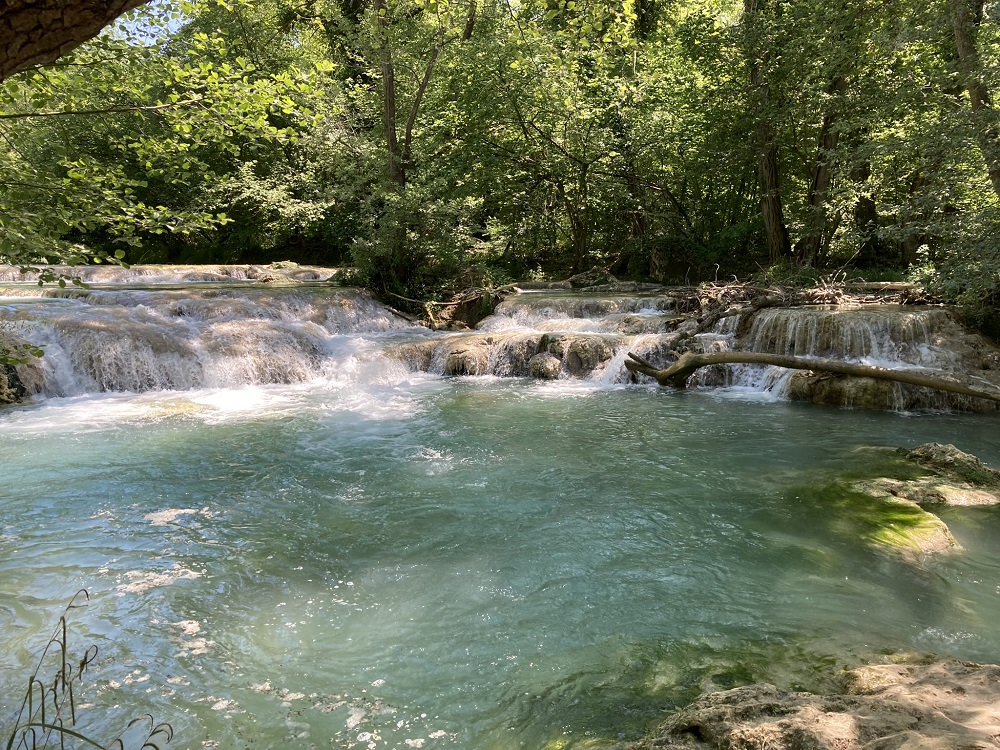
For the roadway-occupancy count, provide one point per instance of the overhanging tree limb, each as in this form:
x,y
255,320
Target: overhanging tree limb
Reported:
x,y
102,111
36,32
678,373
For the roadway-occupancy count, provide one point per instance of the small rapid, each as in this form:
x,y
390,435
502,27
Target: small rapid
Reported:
x,y
142,339
587,336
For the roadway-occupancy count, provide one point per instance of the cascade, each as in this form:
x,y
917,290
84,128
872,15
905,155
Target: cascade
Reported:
x,y
890,336
875,335
180,274
160,328
207,335
554,335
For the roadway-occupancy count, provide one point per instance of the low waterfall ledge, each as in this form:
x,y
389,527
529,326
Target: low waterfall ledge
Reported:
x,y
677,374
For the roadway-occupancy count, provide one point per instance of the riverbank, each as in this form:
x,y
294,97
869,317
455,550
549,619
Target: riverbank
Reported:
x,y
908,702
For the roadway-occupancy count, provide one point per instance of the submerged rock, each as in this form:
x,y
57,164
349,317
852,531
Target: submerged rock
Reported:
x,y
884,507
892,525
944,475
941,705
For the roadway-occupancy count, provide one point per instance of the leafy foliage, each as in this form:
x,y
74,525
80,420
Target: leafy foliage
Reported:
x,y
420,139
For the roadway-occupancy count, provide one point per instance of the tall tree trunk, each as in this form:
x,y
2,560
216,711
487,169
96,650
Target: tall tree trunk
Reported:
x,y
911,244
966,17
36,32
395,168
470,21
775,232
871,250
772,213
812,247
578,213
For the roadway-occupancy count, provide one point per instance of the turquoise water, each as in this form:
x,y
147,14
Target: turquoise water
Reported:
x,y
478,564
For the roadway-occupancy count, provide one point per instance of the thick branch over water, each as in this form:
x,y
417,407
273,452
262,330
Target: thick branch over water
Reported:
x,y
678,373
35,32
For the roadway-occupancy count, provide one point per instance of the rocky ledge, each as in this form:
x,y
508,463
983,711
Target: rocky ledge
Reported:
x,y
940,704
20,372
912,483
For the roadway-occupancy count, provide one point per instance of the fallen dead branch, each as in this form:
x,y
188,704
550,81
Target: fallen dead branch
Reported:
x,y
677,374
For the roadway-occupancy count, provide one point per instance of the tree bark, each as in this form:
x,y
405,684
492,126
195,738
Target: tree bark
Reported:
x,y
966,17
395,168
813,245
36,32
678,373
775,230
470,21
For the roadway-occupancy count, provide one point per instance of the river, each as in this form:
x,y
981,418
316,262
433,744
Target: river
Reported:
x,y
366,555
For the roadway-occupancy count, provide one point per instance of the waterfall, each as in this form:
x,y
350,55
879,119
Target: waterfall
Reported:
x,y
554,336
884,336
201,336
147,329
879,335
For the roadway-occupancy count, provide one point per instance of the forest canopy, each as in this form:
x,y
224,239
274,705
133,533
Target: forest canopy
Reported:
x,y
435,144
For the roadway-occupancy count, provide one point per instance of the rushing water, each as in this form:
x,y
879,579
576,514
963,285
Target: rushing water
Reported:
x,y
371,557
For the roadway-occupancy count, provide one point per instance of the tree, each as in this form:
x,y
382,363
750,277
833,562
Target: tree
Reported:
x,y
967,17
757,17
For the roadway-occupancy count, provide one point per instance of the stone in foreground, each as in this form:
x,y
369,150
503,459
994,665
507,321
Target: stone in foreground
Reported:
x,y
942,705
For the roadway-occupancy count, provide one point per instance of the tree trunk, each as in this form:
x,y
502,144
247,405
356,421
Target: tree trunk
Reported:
x,y
395,168
966,17
678,373
470,21
914,240
36,32
578,213
872,251
812,246
775,231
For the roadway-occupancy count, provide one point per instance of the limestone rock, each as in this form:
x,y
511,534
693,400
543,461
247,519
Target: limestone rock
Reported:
x,y
942,705
949,461
11,389
931,491
832,390
896,525
593,277
274,279
545,366
581,354
953,478
18,382
468,359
